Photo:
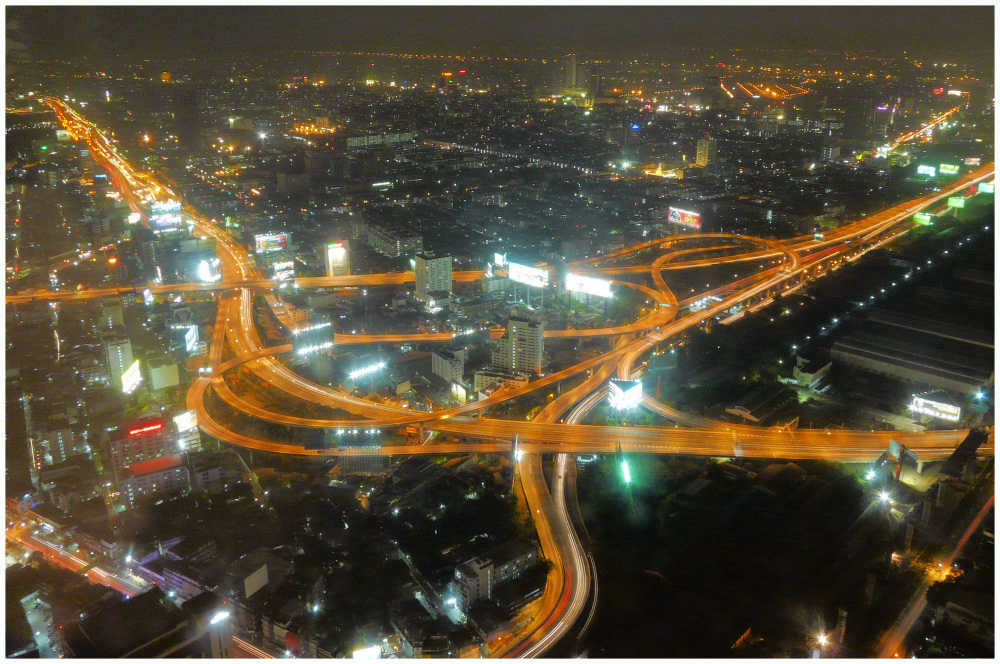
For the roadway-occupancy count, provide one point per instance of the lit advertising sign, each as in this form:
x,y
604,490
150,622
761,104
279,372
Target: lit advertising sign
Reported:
x,y
499,259
459,391
576,283
337,264
923,218
684,217
929,171
973,161
271,242
948,169
375,652
191,338
134,217
208,271
186,421
944,411
956,202
986,187
284,271
529,276
624,394
147,297
165,214
131,378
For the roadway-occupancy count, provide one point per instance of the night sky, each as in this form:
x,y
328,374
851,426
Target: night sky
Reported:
x,y
157,32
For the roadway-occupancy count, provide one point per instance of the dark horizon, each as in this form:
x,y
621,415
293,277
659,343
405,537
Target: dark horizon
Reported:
x,y
163,32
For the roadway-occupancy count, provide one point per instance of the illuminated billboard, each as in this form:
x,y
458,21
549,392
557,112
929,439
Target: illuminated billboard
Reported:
x,y
186,421
284,271
986,187
929,171
338,263
134,218
191,338
529,276
271,242
944,411
208,271
948,169
973,161
624,394
956,202
923,218
165,214
499,259
684,217
131,378
576,283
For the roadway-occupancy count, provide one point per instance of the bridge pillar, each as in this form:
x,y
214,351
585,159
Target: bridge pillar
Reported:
x,y
920,467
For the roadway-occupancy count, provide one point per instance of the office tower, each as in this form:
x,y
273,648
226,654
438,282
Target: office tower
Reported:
x,y
706,151
111,313
520,349
118,352
433,275
137,442
571,71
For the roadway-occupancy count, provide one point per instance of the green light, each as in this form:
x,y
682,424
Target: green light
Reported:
x,y
625,473
923,218
986,187
45,148
948,169
956,202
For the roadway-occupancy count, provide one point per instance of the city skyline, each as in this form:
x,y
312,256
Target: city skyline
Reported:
x,y
192,30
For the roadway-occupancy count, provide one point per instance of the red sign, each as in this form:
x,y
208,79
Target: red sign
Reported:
x,y
684,217
151,427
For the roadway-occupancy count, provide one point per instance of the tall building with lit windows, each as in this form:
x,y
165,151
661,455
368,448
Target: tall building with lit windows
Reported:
x,y
139,441
433,274
706,151
118,352
520,348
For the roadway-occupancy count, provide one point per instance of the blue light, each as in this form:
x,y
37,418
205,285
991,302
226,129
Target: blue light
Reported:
x,y
635,127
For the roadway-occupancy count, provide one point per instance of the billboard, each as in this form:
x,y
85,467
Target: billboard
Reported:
x,y
165,214
986,187
529,276
338,263
186,421
271,242
624,394
284,270
944,411
134,218
923,218
131,378
499,259
973,161
208,271
956,202
929,171
591,286
255,581
948,169
191,338
684,217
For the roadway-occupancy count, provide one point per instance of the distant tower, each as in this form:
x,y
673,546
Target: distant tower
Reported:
x,y
570,71
706,151
432,274
118,351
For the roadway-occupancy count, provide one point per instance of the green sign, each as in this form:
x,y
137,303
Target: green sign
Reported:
x,y
948,169
956,202
985,187
923,218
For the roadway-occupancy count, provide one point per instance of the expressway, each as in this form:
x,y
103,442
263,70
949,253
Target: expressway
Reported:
x,y
793,258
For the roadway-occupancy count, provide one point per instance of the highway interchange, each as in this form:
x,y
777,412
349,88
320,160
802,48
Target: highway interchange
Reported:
x,y
783,267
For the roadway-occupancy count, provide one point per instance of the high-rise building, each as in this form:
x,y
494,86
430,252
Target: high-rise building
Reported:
x,y
161,477
570,71
118,352
111,313
520,348
338,259
433,275
706,151
140,441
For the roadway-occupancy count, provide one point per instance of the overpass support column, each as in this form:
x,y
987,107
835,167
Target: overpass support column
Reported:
x,y
920,467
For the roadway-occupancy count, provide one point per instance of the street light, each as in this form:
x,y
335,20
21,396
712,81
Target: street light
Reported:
x,y
883,496
980,395
823,640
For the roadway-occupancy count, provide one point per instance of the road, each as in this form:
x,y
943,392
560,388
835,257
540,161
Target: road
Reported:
x,y
783,267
